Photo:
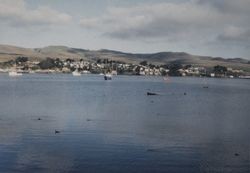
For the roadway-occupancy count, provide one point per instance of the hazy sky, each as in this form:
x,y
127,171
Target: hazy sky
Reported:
x,y
203,27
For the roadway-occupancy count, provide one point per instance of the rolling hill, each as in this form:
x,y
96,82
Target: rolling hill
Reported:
x,y
8,52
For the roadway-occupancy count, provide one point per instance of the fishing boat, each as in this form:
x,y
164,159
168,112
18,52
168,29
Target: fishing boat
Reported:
x,y
86,72
108,76
151,94
14,74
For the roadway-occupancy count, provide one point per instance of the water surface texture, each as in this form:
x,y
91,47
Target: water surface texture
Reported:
x,y
113,126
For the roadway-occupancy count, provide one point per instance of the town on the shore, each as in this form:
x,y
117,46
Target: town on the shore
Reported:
x,y
103,66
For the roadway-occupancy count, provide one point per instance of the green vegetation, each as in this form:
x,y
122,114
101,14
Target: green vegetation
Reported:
x,y
220,69
144,63
48,63
174,69
21,60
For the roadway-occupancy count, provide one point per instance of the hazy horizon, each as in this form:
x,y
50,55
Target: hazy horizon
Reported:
x,y
199,27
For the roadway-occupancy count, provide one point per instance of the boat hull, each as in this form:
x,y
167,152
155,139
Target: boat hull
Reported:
x,y
107,77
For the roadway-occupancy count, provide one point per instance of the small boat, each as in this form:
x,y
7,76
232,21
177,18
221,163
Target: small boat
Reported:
x,y
14,73
151,94
76,73
86,72
108,76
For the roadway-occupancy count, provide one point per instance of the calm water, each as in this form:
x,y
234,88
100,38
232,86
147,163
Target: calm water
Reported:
x,y
112,126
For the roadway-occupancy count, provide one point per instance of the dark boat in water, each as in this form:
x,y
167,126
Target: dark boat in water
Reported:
x,y
107,77
151,94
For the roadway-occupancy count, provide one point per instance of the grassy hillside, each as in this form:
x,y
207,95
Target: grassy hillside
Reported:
x,y
8,52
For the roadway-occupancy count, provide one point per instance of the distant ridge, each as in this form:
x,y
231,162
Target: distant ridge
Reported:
x,y
8,52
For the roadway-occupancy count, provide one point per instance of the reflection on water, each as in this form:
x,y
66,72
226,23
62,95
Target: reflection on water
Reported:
x,y
113,126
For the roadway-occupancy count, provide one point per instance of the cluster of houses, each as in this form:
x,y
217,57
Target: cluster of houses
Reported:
x,y
211,72
23,65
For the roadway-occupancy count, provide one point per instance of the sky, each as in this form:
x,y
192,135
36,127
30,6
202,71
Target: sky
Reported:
x,y
219,28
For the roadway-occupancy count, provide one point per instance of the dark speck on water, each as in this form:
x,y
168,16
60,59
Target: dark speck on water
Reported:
x,y
236,154
208,131
151,94
151,150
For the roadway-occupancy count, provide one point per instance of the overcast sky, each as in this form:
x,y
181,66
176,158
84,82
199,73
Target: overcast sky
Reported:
x,y
202,27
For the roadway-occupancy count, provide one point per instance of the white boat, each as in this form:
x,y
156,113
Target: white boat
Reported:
x,y
14,73
86,72
108,76
76,73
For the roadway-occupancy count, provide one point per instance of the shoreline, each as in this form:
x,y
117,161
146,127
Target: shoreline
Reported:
x,y
49,72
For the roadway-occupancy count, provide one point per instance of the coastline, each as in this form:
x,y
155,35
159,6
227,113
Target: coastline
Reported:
x,y
52,72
